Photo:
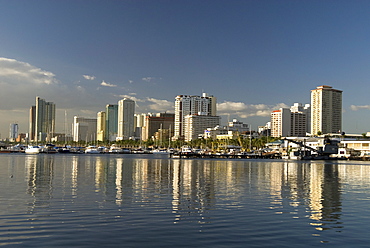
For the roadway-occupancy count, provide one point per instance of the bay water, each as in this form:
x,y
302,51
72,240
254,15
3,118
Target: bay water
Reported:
x,y
128,200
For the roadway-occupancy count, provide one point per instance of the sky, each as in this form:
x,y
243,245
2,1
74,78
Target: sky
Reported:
x,y
254,56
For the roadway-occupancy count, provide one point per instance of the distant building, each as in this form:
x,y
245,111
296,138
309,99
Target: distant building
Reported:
x,y
126,111
185,105
42,120
326,110
290,122
160,121
84,129
101,126
195,125
111,115
13,131
238,126
280,122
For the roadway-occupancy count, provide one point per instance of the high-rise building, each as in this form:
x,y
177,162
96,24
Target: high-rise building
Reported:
x,y
42,120
126,111
84,129
280,122
13,131
101,122
155,122
192,105
111,115
290,122
326,110
195,125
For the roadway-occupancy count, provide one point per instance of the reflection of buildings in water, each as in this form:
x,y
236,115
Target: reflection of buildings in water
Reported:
x,y
39,176
75,162
119,178
325,200
314,184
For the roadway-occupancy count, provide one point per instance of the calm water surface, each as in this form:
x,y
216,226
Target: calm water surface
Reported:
x,y
152,201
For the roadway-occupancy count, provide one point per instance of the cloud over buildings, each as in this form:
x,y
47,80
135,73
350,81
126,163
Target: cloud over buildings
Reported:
x,y
13,72
243,110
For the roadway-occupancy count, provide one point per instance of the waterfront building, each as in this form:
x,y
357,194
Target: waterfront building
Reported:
x,y
153,123
195,125
326,110
238,126
111,118
84,129
13,131
290,122
280,122
42,120
192,105
101,126
126,111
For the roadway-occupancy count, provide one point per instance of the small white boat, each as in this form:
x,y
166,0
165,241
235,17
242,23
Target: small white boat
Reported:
x,y
92,149
32,150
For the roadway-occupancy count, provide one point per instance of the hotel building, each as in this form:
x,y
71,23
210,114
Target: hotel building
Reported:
x,y
204,105
326,110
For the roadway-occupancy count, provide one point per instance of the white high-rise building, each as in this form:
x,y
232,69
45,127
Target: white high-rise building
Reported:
x,y
84,129
192,105
126,121
101,126
326,110
290,122
195,125
280,122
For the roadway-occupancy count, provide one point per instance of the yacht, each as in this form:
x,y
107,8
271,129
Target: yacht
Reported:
x,y
92,149
32,150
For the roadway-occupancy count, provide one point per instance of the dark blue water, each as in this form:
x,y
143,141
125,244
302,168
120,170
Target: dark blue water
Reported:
x,y
152,201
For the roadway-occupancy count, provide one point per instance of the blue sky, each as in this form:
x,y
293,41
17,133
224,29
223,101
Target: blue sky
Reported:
x,y
254,56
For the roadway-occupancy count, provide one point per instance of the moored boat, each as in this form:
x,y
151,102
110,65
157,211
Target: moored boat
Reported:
x,y
32,150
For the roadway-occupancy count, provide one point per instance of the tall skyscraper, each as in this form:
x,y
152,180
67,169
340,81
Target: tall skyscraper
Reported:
x,y
42,120
111,122
100,126
13,131
192,105
326,110
126,123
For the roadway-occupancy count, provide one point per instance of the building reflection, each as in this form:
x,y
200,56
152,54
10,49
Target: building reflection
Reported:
x,y
39,176
191,189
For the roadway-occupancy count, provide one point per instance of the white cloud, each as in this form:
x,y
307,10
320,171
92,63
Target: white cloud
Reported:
x,y
87,77
148,79
107,84
130,81
17,72
247,110
160,105
358,107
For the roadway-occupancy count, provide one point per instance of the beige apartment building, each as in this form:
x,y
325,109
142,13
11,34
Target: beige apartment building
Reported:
x,y
326,110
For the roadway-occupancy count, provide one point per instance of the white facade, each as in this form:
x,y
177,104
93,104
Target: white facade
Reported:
x,y
326,110
280,122
195,125
101,126
192,105
126,122
84,129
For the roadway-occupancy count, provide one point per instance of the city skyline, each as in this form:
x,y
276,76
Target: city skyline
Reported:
x,y
254,56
